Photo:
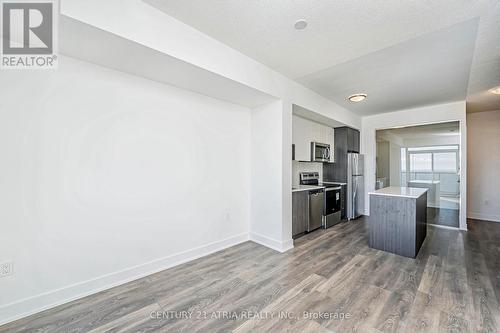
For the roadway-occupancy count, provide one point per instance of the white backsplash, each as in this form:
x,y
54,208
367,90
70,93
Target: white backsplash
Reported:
x,y
298,167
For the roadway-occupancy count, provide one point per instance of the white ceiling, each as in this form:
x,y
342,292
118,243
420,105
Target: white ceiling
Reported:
x,y
426,70
371,34
450,129
86,42
485,72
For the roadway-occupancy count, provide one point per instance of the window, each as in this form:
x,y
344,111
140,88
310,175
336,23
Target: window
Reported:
x,y
440,163
421,162
445,162
403,159
438,159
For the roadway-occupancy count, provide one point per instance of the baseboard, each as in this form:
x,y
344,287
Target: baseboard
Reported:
x,y
287,245
271,243
29,306
484,217
443,226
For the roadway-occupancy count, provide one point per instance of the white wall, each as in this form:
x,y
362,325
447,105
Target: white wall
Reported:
x,y
107,177
483,134
143,24
286,167
389,162
418,116
268,215
433,141
394,157
395,164
384,161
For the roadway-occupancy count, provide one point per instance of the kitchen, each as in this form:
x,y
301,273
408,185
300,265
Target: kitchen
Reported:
x,y
328,188
327,172
222,156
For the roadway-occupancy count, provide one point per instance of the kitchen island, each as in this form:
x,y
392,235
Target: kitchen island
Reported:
x,y
398,220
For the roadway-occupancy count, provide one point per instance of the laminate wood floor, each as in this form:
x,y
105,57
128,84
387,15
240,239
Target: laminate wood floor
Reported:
x,y
330,282
443,216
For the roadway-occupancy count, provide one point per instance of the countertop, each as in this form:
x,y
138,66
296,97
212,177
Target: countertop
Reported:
x,y
306,188
425,181
407,192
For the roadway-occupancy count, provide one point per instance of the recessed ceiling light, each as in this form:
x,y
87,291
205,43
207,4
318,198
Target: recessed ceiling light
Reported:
x,y
357,97
300,24
495,90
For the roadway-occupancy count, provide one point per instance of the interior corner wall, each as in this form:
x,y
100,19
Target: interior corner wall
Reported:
x,y
483,132
383,161
418,116
287,121
395,164
107,177
269,177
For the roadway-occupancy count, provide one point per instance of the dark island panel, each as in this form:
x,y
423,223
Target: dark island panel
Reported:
x,y
398,224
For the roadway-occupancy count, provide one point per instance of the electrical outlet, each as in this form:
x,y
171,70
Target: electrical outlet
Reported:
x,y
5,269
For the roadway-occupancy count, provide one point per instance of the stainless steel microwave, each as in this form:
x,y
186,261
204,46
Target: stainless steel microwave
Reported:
x,y
320,152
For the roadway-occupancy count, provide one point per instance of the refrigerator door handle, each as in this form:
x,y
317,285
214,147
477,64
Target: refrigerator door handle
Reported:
x,y
354,196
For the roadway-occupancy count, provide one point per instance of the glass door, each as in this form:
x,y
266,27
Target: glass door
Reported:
x,y
437,167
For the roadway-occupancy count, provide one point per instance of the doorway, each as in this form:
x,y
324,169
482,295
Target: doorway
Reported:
x,y
425,156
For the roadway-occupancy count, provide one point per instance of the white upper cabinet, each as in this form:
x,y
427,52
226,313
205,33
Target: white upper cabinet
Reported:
x,y
304,132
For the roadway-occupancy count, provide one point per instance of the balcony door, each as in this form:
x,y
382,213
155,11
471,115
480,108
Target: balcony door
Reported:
x,y
437,164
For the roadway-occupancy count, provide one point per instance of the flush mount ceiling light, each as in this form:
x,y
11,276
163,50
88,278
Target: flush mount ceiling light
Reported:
x,y
495,90
300,24
356,97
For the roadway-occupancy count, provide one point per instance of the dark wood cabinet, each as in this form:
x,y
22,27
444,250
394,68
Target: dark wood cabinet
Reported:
x,y
352,139
398,224
300,212
353,143
346,141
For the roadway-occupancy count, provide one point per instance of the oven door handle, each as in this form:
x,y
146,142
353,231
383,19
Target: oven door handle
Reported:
x,y
332,189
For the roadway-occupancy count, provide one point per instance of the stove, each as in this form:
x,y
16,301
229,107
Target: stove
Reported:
x,y
309,178
332,198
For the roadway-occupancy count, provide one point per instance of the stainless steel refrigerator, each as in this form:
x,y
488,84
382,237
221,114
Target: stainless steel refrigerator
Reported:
x,y
355,185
